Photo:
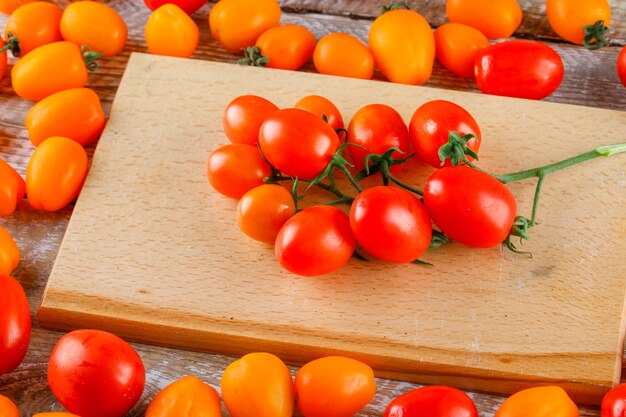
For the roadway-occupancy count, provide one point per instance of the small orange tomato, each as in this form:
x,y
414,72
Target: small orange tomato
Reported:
x,y
9,253
171,32
48,69
12,189
288,46
33,25
75,113
569,17
344,55
237,24
55,174
263,210
189,397
8,6
494,18
258,385
322,107
7,408
457,46
334,386
403,46
95,25
548,401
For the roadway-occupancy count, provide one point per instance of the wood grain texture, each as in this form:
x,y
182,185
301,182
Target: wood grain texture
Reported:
x,y
590,80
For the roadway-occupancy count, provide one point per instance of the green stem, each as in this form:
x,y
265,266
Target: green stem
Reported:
x,y
350,178
384,169
321,185
90,57
12,44
595,35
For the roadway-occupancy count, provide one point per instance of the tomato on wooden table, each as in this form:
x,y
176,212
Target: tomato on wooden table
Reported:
x,y
432,401
263,211
569,17
243,117
322,107
15,324
496,19
547,401
188,397
171,32
8,408
457,46
343,55
621,66
287,46
614,402
34,24
12,189
9,6
9,252
188,6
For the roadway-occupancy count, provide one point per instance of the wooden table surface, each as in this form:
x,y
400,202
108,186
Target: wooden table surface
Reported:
x,y
590,80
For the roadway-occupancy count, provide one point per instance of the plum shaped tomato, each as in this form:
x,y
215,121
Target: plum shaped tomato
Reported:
x,y
95,374
470,206
432,401
8,408
263,211
391,224
431,125
621,66
334,386
403,46
321,107
171,32
9,252
12,188
519,68
343,55
243,117
287,46
297,143
569,17
33,25
547,401
188,6
614,402
316,241
456,47
188,397
9,6
496,19
376,128
15,324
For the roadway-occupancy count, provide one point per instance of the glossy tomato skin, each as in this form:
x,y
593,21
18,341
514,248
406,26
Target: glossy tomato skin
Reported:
x,y
15,324
390,224
343,55
432,401
243,117
519,68
569,17
457,46
496,19
8,408
12,189
403,46
614,402
171,32
322,107
546,401
34,24
95,374
431,125
621,66
189,397
376,128
287,46
334,386
263,211
9,252
188,6
235,169
297,143
316,241
9,6
470,206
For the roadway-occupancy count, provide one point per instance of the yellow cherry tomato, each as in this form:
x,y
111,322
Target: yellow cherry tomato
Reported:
x,y
548,401
188,397
343,55
403,46
9,253
9,6
494,18
569,17
171,32
33,25
12,189
55,174
95,25
7,408
457,46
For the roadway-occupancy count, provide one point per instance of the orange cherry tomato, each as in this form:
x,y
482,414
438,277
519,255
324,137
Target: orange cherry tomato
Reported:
x,y
237,24
48,69
57,414
33,24
75,113
334,386
56,173
287,47
9,6
171,32
263,210
457,46
258,385
548,401
9,253
569,17
322,107
344,55
243,117
12,189
95,25
403,46
189,397
494,18
8,408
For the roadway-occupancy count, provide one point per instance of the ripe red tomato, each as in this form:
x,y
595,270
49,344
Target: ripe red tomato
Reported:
x,y
297,143
243,117
433,401
391,224
189,6
431,124
621,66
14,324
315,241
235,169
614,402
376,128
263,211
519,68
322,107
95,374
470,206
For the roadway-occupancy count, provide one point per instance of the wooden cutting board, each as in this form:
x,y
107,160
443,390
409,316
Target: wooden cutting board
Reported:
x,y
153,254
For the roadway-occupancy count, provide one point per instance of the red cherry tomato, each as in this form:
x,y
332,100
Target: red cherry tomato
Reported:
x,y
235,169
14,324
621,66
376,128
391,224
614,402
189,6
95,374
297,143
244,116
431,124
322,107
470,206
519,68
315,241
433,401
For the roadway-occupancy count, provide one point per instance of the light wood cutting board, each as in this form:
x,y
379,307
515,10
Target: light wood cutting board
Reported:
x,y
153,254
